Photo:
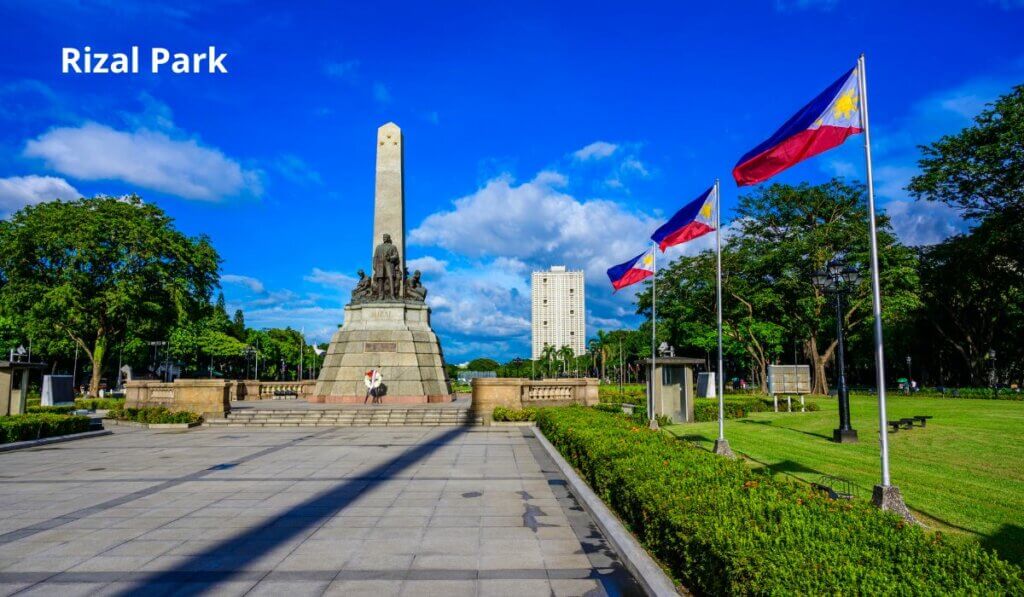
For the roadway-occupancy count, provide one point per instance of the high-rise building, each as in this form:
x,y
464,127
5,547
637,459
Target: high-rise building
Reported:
x,y
559,309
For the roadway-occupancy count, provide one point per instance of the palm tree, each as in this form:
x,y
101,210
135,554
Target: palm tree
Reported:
x,y
603,339
567,354
547,355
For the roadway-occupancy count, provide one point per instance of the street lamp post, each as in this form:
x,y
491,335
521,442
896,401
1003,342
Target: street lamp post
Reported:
x,y
910,375
837,278
992,374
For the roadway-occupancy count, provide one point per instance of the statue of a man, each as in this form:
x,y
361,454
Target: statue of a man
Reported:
x,y
385,266
362,290
414,288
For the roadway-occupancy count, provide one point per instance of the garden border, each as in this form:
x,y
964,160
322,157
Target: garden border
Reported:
x,y
32,443
640,563
153,425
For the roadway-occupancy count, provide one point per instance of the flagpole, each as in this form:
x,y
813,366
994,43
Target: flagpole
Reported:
x,y
885,496
721,444
652,420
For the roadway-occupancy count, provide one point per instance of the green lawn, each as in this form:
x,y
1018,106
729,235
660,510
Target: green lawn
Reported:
x,y
963,472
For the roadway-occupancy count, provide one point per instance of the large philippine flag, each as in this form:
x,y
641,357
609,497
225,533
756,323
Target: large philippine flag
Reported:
x,y
819,126
695,219
632,271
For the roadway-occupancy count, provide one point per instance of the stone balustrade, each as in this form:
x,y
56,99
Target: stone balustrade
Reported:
x,y
251,389
516,392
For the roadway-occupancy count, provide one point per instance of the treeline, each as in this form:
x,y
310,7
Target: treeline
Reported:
x,y
109,281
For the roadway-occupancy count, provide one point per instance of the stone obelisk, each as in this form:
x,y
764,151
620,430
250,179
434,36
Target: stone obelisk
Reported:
x,y
387,325
389,191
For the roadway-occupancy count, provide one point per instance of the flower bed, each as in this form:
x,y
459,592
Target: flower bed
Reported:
x,y
720,528
153,415
19,428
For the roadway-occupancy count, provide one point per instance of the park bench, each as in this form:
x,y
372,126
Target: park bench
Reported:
x,y
923,419
836,488
908,422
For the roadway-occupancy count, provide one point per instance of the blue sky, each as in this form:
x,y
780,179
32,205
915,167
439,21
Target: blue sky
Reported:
x,y
536,133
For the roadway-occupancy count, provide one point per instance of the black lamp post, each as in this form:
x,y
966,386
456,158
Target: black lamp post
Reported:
x,y
837,278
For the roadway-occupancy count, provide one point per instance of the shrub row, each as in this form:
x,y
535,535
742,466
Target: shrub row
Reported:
x,y
502,413
720,528
54,410
18,428
153,414
98,403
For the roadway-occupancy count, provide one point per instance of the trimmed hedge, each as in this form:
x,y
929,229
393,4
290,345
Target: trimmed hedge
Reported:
x,y
502,413
55,410
19,428
99,403
720,528
153,414
706,409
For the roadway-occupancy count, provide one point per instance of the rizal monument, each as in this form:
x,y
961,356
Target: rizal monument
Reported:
x,y
386,331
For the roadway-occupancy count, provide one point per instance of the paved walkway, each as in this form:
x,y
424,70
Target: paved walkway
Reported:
x,y
340,511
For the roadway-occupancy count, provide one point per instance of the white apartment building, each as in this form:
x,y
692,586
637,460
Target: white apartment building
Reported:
x,y
558,310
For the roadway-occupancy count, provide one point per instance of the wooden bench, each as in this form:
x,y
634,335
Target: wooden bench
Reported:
x,y
923,419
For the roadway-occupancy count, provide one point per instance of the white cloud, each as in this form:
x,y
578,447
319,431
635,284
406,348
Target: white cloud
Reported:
x,y
148,158
381,93
18,191
336,280
537,224
919,223
253,284
482,301
427,265
595,151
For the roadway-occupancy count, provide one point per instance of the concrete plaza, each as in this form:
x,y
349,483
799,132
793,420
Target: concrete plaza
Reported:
x,y
343,511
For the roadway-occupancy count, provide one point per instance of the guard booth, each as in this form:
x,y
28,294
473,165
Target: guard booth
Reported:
x,y
789,381
673,387
14,375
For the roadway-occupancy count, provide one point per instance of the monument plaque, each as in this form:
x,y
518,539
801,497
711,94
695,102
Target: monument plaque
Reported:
x,y
387,322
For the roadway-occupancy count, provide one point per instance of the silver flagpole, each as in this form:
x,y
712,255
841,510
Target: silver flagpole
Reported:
x,y
652,420
885,496
721,444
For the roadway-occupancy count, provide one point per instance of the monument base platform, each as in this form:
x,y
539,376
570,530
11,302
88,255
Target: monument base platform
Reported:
x,y
382,400
391,337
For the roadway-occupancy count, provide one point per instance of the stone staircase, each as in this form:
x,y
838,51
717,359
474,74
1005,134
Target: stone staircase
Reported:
x,y
350,417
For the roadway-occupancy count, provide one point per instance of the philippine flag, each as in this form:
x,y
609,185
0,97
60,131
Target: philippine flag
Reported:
x,y
695,219
633,271
819,126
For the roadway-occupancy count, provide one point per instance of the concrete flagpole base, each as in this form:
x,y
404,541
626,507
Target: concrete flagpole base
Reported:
x,y
653,425
722,448
889,498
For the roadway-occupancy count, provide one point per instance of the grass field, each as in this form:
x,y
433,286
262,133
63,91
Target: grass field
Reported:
x,y
964,472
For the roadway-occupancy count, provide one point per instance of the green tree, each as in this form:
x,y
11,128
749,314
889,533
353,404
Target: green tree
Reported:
x,y
483,364
94,270
548,356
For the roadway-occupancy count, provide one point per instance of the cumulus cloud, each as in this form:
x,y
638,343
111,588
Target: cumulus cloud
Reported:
x,y
336,280
427,265
144,157
595,151
537,223
253,284
18,191
919,223
484,300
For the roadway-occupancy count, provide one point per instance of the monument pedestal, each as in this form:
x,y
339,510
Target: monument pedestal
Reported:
x,y
394,338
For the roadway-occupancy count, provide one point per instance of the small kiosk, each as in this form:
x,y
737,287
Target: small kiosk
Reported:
x,y
673,387
14,372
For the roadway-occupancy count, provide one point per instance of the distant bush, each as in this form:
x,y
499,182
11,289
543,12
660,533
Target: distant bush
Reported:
x,y
98,403
18,428
55,410
153,414
502,413
720,528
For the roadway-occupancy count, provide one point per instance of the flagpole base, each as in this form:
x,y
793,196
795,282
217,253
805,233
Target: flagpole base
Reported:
x,y
653,425
722,448
844,436
888,497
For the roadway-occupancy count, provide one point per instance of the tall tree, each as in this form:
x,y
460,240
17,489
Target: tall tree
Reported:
x,y
92,270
